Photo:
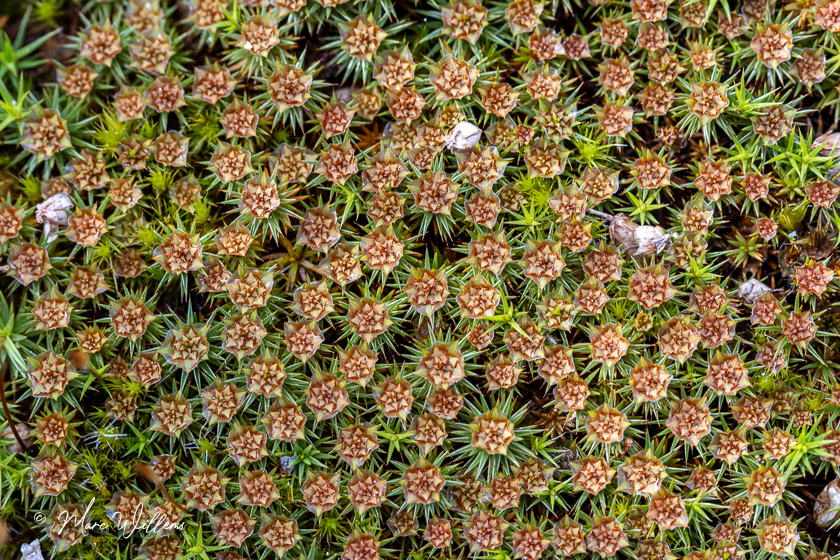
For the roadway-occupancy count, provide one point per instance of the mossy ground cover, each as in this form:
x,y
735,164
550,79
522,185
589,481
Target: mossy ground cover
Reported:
x,y
419,280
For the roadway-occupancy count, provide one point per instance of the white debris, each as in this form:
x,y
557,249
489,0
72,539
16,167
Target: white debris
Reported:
x,y
751,290
828,144
25,433
345,95
31,551
53,212
633,239
54,209
622,229
650,240
826,506
464,136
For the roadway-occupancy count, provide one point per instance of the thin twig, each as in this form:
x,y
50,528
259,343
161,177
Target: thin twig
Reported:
x,y
152,476
600,214
274,256
286,243
8,414
313,267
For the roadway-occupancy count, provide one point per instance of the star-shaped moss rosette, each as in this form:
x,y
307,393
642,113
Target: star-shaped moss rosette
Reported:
x,y
64,535
542,262
212,83
484,530
49,375
279,534
465,20
289,86
778,535
265,375
230,163
151,52
403,523
545,159
335,119
361,37
130,104
246,444
799,328
221,401
313,301
50,474
284,421
11,221
678,339
232,527
382,249
337,163
606,425
186,346
366,490
481,166
321,491
394,396
765,486
358,363
568,537
302,339
429,432
385,171
707,101
607,343
249,288
127,510
452,78
51,311
130,317
356,444
422,483
434,193
203,487
319,229
651,286
492,432
172,415
427,290
100,44
368,318
326,395
243,334
642,474
257,489
171,149
46,134
259,35
650,381
478,298
442,365
690,420
240,120
394,69
180,252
